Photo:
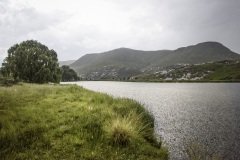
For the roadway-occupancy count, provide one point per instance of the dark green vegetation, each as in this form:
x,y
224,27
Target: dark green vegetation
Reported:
x,y
221,71
31,61
123,63
69,122
7,81
225,70
68,74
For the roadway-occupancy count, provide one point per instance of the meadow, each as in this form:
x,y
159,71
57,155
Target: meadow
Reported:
x,y
69,122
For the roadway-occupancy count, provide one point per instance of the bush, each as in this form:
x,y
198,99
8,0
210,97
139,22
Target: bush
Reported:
x,y
68,74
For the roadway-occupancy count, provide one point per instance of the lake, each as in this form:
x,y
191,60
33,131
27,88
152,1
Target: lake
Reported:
x,y
204,116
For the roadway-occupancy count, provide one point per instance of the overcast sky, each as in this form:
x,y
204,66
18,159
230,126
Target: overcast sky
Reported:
x,y
76,27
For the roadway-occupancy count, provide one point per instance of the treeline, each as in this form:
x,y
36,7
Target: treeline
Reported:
x,y
33,62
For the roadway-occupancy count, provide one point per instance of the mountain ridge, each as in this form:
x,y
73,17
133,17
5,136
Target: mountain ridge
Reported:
x,y
122,62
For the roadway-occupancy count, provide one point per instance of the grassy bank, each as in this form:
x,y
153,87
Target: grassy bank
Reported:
x,y
69,122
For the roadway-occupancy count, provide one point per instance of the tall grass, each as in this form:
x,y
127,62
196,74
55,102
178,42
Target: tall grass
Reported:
x,y
123,130
69,122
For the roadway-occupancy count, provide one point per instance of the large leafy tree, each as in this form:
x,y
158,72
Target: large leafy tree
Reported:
x,y
69,74
32,61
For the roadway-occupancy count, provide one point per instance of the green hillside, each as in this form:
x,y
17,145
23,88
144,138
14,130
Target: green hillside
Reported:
x,y
227,70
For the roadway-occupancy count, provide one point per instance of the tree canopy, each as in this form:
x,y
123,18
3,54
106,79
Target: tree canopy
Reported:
x,y
68,74
31,61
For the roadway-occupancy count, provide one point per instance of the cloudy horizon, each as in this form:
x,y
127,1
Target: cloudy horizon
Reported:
x,y
74,28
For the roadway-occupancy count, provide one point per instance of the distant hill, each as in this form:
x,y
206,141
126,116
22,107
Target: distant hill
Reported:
x,y
61,63
124,62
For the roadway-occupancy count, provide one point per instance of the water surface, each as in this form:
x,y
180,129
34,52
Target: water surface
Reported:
x,y
187,113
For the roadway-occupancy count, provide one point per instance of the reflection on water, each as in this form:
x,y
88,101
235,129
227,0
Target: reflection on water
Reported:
x,y
208,113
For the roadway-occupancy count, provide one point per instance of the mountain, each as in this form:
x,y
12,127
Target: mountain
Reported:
x,y
61,63
124,62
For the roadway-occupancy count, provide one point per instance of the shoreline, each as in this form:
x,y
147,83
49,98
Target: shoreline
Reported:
x,y
213,81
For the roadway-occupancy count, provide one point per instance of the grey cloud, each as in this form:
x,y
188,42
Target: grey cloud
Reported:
x,y
16,24
139,24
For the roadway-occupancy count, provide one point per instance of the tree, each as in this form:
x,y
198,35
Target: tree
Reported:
x,y
31,61
69,74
